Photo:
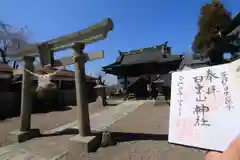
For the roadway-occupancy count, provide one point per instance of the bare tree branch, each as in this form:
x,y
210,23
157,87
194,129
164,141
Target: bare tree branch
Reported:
x,y
11,39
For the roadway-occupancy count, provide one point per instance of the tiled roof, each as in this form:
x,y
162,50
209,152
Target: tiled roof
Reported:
x,y
63,72
234,24
235,32
189,62
153,55
5,68
143,61
146,56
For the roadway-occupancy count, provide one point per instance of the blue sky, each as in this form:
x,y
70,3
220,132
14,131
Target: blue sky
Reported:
x,y
137,23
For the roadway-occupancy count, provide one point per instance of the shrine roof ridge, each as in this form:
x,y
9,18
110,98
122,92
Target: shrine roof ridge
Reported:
x,y
140,50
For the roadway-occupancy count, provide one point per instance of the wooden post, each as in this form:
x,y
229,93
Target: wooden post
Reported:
x,y
80,82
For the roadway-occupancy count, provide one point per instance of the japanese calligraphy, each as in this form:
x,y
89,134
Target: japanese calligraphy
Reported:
x,y
211,75
199,88
209,99
211,90
227,96
201,96
180,94
200,111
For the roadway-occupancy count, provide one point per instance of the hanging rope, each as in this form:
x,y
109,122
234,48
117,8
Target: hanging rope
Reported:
x,y
44,80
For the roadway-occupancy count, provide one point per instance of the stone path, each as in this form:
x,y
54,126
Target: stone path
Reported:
x,y
48,120
49,147
143,135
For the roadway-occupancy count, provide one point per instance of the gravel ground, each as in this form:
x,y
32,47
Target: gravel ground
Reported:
x,y
142,135
44,121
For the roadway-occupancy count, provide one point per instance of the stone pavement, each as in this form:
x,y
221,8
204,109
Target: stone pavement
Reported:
x,y
49,119
143,135
50,145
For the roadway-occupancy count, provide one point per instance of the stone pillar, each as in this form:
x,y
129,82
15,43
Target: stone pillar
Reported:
x,y
46,54
81,91
26,132
26,99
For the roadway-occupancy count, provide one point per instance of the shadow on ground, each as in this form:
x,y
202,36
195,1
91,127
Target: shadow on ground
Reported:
x,y
125,137
160,103
68,131
52,109
117,136
112,104
35,110
104,140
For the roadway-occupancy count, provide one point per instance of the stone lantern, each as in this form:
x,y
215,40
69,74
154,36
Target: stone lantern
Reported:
x,y
101,93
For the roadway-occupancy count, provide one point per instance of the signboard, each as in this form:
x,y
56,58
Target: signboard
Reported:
x,y
204,110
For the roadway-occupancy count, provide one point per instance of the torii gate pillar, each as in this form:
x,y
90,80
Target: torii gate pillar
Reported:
x,y
26,98
80,82
26,132
85,138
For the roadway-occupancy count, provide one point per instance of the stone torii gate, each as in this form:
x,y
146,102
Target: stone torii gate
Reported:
x,y
65,61
45,50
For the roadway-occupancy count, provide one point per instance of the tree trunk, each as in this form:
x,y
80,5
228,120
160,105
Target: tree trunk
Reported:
x,y
3,56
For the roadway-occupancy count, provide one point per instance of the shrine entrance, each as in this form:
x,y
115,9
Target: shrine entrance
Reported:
x,y
76,41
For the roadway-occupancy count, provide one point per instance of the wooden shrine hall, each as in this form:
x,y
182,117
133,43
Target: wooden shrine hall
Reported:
x,y
143,65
